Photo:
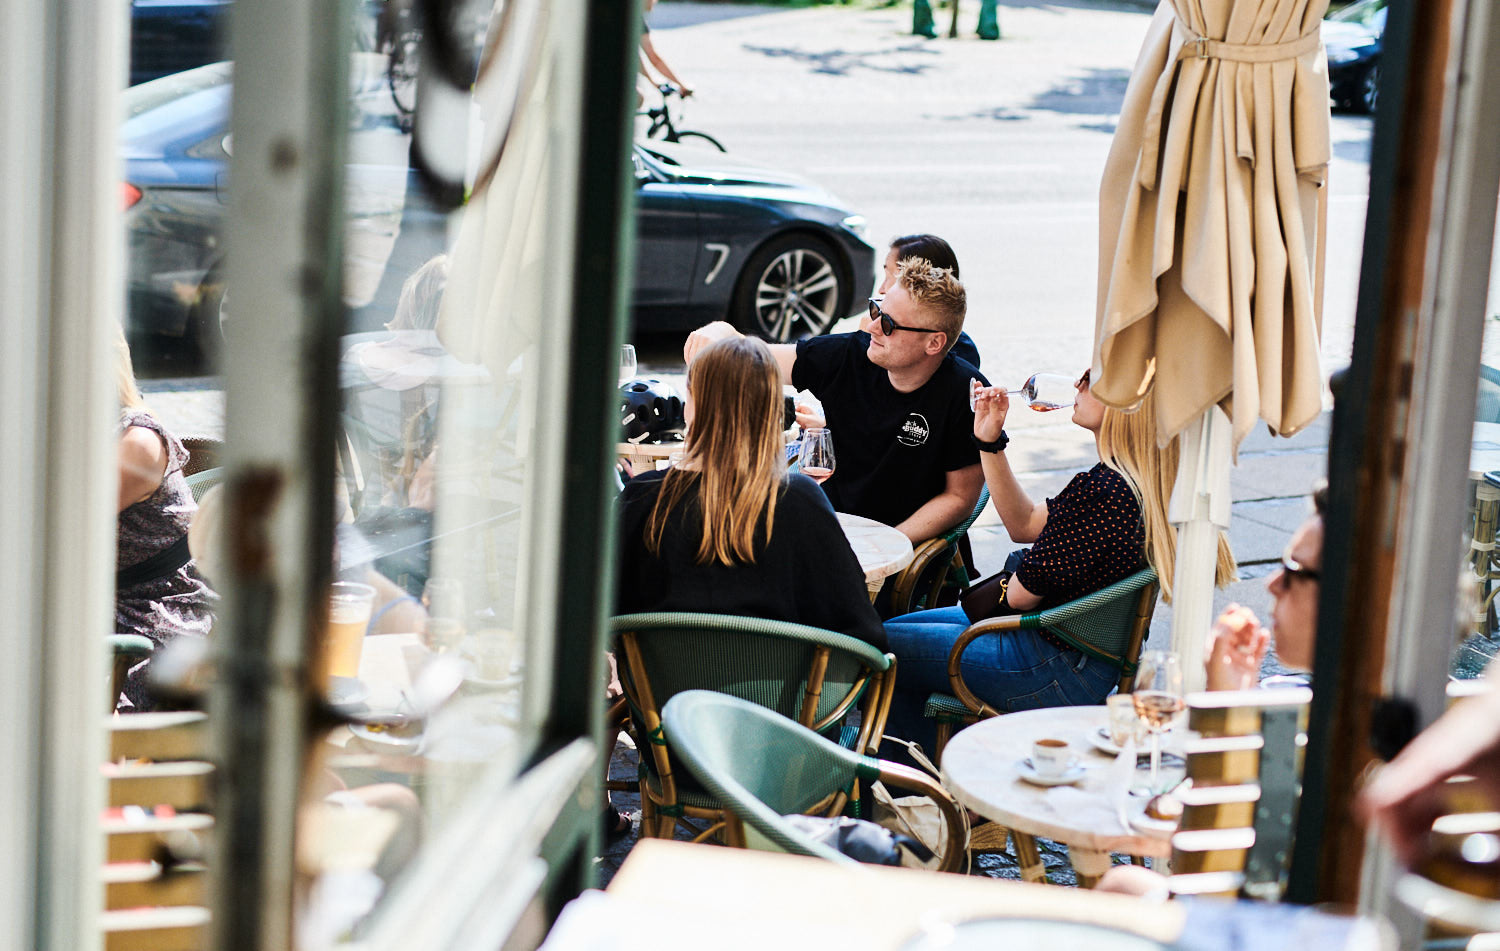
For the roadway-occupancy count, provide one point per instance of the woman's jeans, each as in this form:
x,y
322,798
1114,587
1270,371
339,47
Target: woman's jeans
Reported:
x,y
1013,670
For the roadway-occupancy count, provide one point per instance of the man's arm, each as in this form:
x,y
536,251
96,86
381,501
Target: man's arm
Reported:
x,y
785,353
947,508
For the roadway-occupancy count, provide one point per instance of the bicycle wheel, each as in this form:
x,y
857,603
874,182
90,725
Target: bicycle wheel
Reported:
x,y
401,70
683,136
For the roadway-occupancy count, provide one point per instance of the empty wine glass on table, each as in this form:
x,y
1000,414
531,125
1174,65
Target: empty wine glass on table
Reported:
x,y
1043,392
815,457
1158,699
627,364
443,598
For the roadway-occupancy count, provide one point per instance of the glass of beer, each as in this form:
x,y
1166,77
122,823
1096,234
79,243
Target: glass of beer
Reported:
x,y
349,607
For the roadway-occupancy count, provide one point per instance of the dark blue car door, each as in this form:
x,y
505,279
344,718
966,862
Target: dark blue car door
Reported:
x,y
666,242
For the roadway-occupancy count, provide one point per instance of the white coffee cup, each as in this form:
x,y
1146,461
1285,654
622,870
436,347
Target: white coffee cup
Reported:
x,y
1051,758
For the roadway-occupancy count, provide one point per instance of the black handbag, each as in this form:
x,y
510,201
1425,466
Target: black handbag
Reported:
x,y
986,599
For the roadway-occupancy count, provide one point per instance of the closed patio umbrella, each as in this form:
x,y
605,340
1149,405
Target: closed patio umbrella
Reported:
x,y
1211,216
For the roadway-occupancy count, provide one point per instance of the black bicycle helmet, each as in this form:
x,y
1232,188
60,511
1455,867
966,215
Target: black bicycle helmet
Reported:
x,y
650,411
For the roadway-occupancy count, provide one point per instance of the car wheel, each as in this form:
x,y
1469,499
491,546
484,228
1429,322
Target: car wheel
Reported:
x,y
1369,90
211,317
793,287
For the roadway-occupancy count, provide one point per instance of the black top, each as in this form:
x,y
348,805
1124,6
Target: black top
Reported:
x,y
893,450
1094,537
806,573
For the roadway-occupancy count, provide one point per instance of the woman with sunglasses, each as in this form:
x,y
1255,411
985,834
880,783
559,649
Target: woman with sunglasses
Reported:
x,y
1106,524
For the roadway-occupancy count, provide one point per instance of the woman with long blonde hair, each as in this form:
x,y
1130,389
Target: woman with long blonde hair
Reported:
x,y
158,591
728,530
1105,525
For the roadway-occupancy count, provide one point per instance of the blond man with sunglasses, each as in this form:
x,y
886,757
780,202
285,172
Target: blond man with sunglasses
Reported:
x,y
896,402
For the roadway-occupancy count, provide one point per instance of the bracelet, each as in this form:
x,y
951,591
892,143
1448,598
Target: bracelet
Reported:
x,y
997,446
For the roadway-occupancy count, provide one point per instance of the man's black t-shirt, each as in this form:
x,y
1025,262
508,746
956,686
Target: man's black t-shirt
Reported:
x,y
893,450
805,573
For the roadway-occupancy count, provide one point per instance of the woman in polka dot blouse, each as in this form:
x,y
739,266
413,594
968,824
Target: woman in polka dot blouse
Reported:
x,y
1106,524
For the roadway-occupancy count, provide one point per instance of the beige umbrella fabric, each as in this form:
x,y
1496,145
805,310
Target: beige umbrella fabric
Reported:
x,y
1211,218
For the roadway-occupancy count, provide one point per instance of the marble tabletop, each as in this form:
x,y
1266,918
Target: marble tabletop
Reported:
x,y
980,767
881,549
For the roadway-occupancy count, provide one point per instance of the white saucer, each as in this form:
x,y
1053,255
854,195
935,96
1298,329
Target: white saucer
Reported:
x,y
1026,771
383,739
1144,823
1102,742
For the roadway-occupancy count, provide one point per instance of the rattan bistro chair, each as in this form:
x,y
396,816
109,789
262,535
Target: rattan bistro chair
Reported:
x,y
762,766
1109,625
938,563
805,673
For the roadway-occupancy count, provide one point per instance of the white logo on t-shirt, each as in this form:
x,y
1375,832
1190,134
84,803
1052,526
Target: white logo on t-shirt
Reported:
x,y
914,431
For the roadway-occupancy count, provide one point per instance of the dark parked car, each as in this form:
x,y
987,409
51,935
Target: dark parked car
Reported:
x,y
168,36
1352,38
775,255
771,253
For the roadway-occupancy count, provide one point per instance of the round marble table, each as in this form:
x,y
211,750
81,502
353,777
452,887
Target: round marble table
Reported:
x,y
980,769
881,549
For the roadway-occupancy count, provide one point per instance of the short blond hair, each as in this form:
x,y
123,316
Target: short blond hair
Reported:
x,y
938,292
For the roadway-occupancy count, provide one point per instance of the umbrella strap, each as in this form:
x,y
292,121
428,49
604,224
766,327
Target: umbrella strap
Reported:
x,y
1201,47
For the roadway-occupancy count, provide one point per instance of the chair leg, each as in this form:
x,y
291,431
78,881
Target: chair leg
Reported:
x,y
944,733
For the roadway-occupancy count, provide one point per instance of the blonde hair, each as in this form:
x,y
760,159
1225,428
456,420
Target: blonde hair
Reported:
x,y
734,452
938,291
1127,444
129,394
421,296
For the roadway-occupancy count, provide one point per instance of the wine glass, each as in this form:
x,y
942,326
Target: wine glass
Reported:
x,y
815,456
627,364
1048,391
443,598
1157,698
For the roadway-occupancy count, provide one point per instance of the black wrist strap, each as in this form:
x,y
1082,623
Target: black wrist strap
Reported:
x,y
997,446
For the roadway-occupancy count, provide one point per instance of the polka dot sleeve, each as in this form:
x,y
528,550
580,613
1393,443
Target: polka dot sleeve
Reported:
x,y
1093,538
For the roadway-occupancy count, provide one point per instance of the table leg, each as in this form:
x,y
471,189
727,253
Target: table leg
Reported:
x,y
1028,858
1089,864
1482,549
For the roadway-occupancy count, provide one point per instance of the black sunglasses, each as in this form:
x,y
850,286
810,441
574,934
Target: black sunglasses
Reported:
x,y
1294,569
889,326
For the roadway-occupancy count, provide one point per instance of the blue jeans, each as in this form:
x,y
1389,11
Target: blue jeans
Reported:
x,y
1015,670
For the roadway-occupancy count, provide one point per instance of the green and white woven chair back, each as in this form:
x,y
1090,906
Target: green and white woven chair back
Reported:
x,y
759,765
1100,623
764,662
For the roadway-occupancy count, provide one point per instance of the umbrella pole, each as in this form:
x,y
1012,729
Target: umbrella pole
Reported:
x,y
1199,508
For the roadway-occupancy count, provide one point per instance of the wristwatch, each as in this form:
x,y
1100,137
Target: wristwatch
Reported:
x,y
997,446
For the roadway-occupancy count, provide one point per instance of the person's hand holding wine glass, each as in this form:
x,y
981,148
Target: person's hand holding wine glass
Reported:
x,y
815,456
991,404
1158,699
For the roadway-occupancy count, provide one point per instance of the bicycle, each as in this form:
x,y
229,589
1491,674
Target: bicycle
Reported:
x,y
663,127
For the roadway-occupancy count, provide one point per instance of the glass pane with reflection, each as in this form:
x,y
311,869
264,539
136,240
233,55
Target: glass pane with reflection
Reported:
x,y
1478,631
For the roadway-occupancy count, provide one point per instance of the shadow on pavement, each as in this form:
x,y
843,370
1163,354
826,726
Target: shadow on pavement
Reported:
x,y
845,62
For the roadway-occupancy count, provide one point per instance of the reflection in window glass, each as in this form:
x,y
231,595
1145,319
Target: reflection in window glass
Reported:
x,y
1479,639
442,459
